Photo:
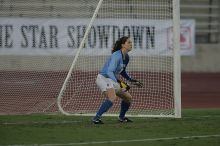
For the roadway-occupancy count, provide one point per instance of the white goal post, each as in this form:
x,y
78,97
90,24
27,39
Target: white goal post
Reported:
x,y
153,26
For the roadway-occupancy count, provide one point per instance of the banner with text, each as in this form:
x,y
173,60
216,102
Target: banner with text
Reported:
x,y
41,36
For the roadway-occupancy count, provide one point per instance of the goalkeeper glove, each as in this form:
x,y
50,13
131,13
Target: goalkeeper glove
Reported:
x,y
124,86
136,83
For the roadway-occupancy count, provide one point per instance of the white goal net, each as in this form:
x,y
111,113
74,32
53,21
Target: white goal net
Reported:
x,y
63,45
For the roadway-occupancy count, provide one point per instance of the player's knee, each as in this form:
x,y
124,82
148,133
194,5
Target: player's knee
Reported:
x,y
111,94
125,96
128,100
112,99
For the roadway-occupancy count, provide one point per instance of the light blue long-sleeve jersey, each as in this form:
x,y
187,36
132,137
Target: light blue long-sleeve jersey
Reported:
x,y
115,65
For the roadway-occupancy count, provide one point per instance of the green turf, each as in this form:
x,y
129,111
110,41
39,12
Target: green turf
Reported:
x,y
59,129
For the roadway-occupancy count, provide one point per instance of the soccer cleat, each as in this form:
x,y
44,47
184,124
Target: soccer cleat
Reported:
x,y
97,121
124,120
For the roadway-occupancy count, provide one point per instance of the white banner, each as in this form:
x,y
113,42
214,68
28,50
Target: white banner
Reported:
x,y
37,36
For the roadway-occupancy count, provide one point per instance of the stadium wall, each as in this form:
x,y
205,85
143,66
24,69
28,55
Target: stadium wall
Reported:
x,y
206,59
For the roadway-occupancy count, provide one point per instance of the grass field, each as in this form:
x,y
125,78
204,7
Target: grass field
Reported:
x,y
197,127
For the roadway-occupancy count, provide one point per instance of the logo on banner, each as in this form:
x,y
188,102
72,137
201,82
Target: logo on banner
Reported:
x,y
185,38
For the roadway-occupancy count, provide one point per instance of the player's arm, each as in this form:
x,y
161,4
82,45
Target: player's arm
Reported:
x,y
125,75
136,83
131,80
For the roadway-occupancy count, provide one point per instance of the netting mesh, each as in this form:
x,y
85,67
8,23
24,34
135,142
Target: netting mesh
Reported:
x,y
31,83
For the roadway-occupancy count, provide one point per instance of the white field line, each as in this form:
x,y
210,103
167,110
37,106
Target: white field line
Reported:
x,y
71,121
122,141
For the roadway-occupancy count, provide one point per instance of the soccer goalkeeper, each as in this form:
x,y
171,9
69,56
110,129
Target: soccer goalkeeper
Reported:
x,y
109,83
